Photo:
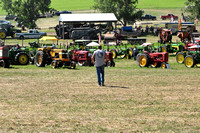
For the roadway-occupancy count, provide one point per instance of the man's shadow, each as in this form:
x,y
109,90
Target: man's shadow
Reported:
x,y
112,86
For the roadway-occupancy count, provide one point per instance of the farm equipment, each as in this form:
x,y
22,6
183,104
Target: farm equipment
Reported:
x,y
77,32
56,57
152,58
81,57
165,36
4,56
122,52
7,30
172,48
18,55
110,61
182,54
193,58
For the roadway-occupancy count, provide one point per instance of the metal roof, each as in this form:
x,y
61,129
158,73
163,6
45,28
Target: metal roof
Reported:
x,y
92,17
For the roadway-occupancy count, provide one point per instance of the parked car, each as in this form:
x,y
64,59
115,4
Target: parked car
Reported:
x,y
147,16
63,12
5,22
45,15
31,34
10,17
169,16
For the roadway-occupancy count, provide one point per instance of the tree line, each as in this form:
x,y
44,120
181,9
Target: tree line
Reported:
x,y
126,11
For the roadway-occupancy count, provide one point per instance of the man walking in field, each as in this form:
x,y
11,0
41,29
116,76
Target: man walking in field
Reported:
x,y
99,59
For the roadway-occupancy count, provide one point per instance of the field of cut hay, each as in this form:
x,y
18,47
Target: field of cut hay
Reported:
x,y
134,99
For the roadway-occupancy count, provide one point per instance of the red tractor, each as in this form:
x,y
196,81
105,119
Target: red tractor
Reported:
x,y
83,58
153,59
110,62
4,56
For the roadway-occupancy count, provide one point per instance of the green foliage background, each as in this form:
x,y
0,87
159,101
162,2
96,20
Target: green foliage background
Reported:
x,y
87,4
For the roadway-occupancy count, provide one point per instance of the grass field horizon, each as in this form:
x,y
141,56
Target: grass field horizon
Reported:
x,y
88,4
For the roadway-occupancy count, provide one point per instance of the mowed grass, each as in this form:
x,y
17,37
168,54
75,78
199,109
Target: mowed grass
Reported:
x,y
134,99
74,5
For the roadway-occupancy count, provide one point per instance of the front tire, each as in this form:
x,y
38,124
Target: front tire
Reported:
x,y
5,63
180,57
189,61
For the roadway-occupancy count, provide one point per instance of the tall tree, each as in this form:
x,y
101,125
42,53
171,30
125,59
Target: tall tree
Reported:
x,y
27,11
126,11
193,7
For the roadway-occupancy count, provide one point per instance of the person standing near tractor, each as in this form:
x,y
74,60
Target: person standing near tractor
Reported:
x,y
99,59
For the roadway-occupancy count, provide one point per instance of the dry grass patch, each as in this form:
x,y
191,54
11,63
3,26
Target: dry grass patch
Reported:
x,y
134,99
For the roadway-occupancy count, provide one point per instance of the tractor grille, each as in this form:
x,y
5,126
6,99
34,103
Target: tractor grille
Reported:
x,y
65,55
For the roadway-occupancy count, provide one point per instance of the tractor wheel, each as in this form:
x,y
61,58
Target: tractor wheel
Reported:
x,y
137,58
124,55
40,59
164,49
22,58
128,56
2,35
189,61
60,64
154,64
180,57
114,52
5,63
108,63
54,64
130,52
72,65
21,37
112,63
143,60
163,65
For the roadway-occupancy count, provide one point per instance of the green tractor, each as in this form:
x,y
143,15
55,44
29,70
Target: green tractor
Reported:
x,y
192,58
7,30
19,56
122,52
23,55
172,48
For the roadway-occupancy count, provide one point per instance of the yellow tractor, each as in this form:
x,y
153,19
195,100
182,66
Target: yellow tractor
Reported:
x,y
56,57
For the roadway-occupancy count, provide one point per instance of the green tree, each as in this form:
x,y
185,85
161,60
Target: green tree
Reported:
x,y
193,7
27,11
126,11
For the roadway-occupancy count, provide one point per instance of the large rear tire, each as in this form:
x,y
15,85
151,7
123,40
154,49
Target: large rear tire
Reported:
x,y
143,60
22,58
40,59
114,52
189,61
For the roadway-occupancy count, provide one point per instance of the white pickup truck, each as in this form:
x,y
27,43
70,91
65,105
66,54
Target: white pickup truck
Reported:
x,y
31,34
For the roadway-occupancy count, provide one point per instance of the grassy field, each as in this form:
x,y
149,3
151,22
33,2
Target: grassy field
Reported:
x,y
134,99
74,5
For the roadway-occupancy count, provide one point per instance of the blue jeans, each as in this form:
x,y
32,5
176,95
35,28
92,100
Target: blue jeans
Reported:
x,y
100,74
